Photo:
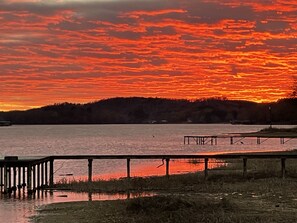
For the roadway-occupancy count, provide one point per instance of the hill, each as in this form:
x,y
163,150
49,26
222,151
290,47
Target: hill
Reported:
x,y
136,110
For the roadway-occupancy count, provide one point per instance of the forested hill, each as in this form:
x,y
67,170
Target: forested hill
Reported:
x,y
157,110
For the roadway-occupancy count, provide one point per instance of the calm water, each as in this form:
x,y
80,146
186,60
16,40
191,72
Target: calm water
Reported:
x,y
113,139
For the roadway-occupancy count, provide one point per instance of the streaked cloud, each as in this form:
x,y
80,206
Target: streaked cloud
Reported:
x,y
80,51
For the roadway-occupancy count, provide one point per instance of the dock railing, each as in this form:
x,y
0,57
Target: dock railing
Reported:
x,y
33,173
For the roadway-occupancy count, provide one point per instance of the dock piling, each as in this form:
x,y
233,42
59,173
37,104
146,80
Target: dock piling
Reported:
x,y
51,178
167,166
128,169
90,165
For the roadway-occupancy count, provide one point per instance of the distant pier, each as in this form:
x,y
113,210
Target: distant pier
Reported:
x,y
234,138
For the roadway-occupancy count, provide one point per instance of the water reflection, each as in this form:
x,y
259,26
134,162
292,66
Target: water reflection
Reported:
x,y
18,207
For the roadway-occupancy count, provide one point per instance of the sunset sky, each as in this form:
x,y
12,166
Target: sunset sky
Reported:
x,y
54,51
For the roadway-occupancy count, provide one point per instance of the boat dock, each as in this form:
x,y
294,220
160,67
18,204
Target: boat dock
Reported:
x,y
31,174
234,138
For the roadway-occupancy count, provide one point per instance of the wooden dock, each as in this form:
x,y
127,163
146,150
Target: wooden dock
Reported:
x,y
20,173
31,174
233,138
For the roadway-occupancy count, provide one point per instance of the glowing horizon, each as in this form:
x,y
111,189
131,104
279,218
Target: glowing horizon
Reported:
x,y
83,51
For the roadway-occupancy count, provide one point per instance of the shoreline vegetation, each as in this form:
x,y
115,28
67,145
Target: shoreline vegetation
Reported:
x,y
226,196
140,110
273,132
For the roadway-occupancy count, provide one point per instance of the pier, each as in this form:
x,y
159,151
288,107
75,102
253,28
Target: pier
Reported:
x,y
25,173
31,174
234,139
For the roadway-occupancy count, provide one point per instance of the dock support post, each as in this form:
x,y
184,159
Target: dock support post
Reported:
x,y
5,179
206,168
258,140
14,186
42,175
51,177
45,174
244,167
167,167
29,179
231,140
128,169
24,177
38,176
9,178
283,161
90,162
19,186
34,178
1,177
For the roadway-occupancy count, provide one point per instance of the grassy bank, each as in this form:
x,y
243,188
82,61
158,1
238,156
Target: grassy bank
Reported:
x,y
225,197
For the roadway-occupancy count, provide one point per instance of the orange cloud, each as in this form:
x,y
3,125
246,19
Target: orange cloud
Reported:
x,y
84,51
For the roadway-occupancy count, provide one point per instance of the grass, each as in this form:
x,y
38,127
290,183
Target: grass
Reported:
x,y
273,132
225,197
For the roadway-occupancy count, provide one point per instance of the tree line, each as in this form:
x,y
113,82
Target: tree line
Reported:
x,y
138,110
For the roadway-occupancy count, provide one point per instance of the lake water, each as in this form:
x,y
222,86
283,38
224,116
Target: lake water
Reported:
x,y
113,140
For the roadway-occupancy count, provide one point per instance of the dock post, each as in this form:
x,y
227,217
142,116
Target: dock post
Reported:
x,y
29,179
188,140
51,177
38,176
283,161
128,168
5,179
231,140
206,168
34,178
90,162
45,174
14,187
167,167
244,167
9,178
19,186
282,140
258,140
24,177
1,177
42,175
